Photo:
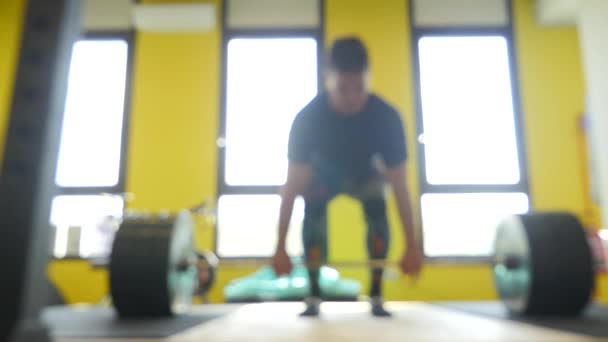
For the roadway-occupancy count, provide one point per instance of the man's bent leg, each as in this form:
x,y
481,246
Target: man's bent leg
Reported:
x,y
378,239
314,236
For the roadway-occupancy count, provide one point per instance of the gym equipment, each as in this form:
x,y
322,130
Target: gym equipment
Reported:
x,y
28,170
335,264
207,264
264,285
543,264
153,266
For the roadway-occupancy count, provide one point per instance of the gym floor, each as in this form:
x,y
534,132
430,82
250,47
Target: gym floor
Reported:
x,y
350,321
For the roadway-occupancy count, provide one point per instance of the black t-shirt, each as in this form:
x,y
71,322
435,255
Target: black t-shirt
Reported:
x,y
349,146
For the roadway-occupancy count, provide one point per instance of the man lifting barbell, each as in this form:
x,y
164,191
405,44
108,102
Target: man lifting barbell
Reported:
x,y
347,141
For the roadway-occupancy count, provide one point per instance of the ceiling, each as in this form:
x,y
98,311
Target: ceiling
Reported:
x,y
556,12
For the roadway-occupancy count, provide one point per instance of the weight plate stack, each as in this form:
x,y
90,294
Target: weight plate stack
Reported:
x,y
152,268
543,264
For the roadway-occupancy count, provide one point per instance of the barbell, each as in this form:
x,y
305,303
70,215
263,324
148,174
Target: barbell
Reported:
x,y
542,265
146,272
154,268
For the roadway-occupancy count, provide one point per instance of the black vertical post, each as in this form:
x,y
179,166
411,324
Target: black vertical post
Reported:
x,y
31,149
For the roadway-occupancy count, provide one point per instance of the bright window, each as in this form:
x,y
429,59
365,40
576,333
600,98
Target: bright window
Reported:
x,y
89,160
249,225
467,108
82,225
464,224
268,81
472,175
89,153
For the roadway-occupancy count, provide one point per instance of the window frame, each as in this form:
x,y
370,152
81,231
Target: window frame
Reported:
x,y
120,187
507,32
223,188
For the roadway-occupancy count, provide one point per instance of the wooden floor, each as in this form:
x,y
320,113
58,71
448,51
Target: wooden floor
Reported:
x,y
271,322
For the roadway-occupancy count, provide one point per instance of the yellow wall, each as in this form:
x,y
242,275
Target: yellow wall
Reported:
x,y
11,17
78,282
553,99
172,153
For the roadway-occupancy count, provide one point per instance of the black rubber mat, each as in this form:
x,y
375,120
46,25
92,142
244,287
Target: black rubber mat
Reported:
x,y
101,322
593,322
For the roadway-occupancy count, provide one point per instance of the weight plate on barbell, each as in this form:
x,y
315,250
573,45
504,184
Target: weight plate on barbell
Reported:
x,y
543,264
207,265
151,273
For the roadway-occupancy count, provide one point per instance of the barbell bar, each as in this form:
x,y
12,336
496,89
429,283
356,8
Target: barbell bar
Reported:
x,y
250,263
185,263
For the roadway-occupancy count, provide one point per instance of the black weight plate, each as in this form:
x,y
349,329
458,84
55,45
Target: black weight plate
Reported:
x,y
145,279
543,264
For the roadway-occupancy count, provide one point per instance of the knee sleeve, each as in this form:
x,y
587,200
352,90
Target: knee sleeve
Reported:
x,y
314,232
378,235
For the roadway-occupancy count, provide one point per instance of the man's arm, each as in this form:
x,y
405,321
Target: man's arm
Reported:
x,y
397,178
298,178
412,260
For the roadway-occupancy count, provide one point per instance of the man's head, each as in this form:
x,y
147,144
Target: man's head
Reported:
x,y
347,79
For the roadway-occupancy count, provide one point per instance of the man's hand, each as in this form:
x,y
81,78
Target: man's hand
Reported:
x,y
411,263
281,262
